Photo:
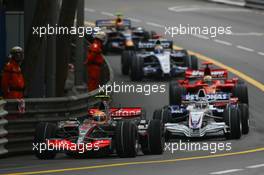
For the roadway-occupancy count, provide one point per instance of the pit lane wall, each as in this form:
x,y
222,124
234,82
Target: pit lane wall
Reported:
x,y
18,127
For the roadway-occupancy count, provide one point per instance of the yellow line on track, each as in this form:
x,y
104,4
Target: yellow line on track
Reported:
x,y
138,163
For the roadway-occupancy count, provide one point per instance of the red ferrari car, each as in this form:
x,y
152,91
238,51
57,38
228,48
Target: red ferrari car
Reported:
x,y
215,82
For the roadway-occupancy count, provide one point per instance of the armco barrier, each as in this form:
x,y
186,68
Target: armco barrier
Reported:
x,y
3,132
17,128
258,4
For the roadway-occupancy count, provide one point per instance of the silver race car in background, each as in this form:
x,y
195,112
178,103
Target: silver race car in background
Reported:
x,y
156,57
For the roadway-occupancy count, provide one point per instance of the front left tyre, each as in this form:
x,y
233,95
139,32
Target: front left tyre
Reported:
x,y
175,93
136,72
156,137
241,92
126,61
244,115
233,120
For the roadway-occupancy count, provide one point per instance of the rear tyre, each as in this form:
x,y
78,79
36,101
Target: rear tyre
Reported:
x,y
175,94
244,115
194,62
162,115
232,119
126,60
156,137
136,73
126,139
241,92
45,131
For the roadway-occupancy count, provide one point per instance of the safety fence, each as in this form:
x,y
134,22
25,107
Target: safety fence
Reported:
x,y
259,4
17,128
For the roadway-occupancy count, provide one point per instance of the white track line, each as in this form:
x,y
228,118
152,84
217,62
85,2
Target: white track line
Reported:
x,y
155,24
255,166
89,10
190,8
134,19
222,42
247,34
245,48
261,53
227,171
200,36
107,14
239,3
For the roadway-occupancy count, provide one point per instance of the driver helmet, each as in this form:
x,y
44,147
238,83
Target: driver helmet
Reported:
x,y
119,21
139,30
208,79
99,117
158,48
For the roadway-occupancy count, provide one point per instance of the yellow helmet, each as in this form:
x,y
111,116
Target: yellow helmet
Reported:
x,y
207,78
99,116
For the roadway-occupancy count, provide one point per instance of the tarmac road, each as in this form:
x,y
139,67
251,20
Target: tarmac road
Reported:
x,y
243,51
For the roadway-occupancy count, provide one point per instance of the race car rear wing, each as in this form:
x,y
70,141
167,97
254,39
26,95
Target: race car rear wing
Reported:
x,y
111,23
215,73
150,44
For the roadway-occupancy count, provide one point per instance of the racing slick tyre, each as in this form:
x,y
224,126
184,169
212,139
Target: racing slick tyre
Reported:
x,y
136,72
232,119
162,114
126,139
175,94
239,81
156,137
194,62
191,61
44,131
241,92
244,115
126,60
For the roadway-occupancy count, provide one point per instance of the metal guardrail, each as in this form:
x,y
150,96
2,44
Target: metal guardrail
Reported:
x,y
3,131
17,128
258,4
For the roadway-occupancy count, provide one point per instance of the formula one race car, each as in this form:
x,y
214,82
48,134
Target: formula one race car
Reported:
x,y
156,57
214,81
103,131
122,36
203,116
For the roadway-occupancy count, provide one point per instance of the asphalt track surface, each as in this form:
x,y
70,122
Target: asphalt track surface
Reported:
x,y
242,51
